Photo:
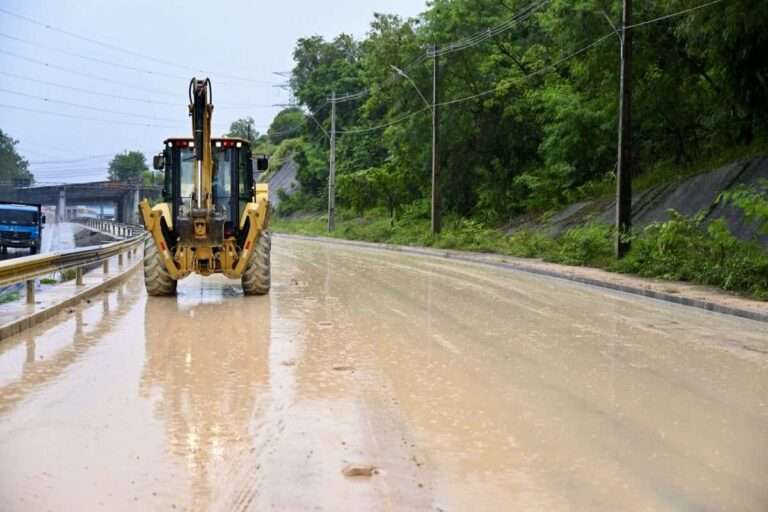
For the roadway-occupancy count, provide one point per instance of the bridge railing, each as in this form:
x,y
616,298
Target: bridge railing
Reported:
x,y
28,268
116,229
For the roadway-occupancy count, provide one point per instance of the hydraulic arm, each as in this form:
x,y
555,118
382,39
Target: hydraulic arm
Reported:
x,y
213,217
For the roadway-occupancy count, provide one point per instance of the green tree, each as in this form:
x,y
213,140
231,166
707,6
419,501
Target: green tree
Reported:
x,y
152,177
541,127
288,123
14,169
128,167
244,129
323,67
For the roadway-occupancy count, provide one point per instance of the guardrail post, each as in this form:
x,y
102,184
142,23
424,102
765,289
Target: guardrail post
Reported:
x,y
30,291
120,259
105,266
79,276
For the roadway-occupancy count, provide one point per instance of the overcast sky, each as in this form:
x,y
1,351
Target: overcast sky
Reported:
x,y
238,43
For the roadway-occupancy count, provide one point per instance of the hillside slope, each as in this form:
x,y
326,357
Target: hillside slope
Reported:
x,y
688,196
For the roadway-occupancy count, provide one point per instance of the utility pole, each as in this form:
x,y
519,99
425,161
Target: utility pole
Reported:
x,y
624,167
436,215
332,172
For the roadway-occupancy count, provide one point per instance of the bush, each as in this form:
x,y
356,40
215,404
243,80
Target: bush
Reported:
x,y
587,245
529,244
687,249
9,297
752,200
299,202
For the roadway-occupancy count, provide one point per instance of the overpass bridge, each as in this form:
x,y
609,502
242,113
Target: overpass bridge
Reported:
x,y
124,197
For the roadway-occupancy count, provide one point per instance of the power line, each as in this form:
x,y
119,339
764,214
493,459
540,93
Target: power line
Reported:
x,y
70,116
224,106
83,74
87,107
298,126
674,14
114,47
69,161
394,77
580,51
69,173
532,74
462,44
385,125
242,106
88,58
484,35
111,63
76,160
481,94
87,91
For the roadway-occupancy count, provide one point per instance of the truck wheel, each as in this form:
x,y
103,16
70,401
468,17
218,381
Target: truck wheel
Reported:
x,y
256,278
156,278
33,250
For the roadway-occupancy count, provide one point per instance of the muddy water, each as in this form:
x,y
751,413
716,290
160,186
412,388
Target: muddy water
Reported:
x,y
469,388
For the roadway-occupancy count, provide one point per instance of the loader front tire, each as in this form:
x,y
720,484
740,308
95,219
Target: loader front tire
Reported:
x,y
157,280
256,278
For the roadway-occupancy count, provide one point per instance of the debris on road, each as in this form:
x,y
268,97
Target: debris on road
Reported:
x,y
353,470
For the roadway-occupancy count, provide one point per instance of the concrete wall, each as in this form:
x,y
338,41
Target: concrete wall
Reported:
x,y
687,196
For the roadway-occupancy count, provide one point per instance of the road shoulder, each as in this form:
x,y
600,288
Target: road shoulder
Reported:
x,y
698,296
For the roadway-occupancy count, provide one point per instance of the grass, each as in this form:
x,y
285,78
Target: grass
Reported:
x,y
68,274
48,280
10,297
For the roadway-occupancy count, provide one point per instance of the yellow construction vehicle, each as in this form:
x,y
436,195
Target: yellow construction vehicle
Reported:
x,y
213,218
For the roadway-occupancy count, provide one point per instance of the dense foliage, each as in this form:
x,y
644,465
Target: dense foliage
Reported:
x,y
546,131
538,128
128,167
753,201
14,170
244,129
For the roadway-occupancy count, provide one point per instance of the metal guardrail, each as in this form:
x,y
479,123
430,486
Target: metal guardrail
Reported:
x,y
114,228
27,268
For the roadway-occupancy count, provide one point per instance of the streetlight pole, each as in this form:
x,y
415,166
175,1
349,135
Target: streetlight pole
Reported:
x,y
436,212
435,199
332,170
624,166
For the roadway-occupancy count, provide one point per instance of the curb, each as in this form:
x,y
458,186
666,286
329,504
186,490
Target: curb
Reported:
x,y
38,317
505,263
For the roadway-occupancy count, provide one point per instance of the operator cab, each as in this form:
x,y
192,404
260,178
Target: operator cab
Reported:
x,y
232,182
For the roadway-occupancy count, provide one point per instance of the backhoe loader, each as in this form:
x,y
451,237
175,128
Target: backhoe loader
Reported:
x,y
212,218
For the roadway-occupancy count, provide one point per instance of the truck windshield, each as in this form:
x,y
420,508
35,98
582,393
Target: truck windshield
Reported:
x,y
21,217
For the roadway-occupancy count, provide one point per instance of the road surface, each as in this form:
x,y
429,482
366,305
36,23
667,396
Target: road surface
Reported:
x,y
468,387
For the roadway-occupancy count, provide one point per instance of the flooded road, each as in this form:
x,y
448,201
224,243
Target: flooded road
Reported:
x,y
467,387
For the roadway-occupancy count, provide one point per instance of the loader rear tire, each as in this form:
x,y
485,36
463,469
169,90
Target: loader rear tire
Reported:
x,y
157,280
256,278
